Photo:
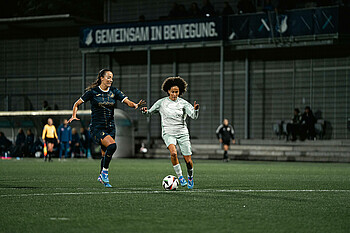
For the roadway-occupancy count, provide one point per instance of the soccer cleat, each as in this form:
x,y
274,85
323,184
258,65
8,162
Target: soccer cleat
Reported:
x,y
99,179
182,181
104,176
190,183
107,185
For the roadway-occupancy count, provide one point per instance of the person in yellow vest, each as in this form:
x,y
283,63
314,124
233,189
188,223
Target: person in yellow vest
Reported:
x,y
49,136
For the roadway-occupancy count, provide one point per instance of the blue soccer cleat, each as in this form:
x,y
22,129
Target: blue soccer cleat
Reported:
x,y
107,185
190,183
104,176
182,181
99,179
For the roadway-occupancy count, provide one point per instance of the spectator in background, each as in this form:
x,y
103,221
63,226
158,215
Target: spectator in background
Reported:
x,y
227,10
64,134
182,11
174,11
142,18
75,145
19,144
29,143
268,6
85,141
293,127
178,11
194,11
225,134
37,147
245,6
46,106
308,121
208,9
5,144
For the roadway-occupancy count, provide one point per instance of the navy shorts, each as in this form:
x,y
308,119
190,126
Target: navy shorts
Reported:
x,y
99,133
50,140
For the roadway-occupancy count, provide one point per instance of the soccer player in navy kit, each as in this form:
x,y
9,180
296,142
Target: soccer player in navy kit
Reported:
x,y
225,133
103,97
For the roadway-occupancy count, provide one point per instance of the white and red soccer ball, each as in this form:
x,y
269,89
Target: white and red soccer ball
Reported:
x,y
170,183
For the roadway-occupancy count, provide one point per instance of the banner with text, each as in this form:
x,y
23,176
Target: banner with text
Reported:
x,y
151,33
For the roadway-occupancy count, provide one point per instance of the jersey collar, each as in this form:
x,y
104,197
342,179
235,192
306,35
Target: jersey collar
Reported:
x,y
103,90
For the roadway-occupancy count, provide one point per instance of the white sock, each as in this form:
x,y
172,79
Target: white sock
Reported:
x,y
104,169
178,170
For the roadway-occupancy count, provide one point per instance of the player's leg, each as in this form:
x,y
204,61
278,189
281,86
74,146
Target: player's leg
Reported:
x,y
66,146
110,145
225,152
176,164
186,150
62,147
189,164
103,152
50,150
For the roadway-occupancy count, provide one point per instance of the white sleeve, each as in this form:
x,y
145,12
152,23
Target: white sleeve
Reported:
x,y
190,111
154,109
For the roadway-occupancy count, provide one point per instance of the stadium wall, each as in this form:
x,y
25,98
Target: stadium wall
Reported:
x,y
33,70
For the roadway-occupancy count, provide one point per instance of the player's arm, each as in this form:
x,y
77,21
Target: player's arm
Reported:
x,y
218,133
232,132
75,110
154,109
192,111
132,104
44,133
55,134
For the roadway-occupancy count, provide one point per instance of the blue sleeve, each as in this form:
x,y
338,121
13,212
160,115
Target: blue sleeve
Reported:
x,y
70,134
87,96
119,95
59,133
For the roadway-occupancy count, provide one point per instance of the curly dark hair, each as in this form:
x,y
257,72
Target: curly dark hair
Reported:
x,y
97,82
175,81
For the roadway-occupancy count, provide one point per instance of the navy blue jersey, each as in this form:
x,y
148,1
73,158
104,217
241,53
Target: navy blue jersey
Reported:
x,y
102,105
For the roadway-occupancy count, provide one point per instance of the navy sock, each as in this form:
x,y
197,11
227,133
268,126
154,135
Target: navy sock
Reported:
x,y
189,169
102,160
225,155
108,155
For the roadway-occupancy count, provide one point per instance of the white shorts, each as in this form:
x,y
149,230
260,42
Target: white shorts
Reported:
x,y
182,140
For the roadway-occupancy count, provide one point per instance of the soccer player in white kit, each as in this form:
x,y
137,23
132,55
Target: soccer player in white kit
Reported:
x,y
173,111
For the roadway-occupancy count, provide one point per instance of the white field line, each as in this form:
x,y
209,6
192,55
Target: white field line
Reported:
x,y
60,219
178,191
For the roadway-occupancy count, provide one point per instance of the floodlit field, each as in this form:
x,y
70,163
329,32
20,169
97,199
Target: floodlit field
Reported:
x,y
228,197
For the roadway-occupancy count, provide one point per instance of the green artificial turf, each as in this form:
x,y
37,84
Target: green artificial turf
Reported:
x,y
228,197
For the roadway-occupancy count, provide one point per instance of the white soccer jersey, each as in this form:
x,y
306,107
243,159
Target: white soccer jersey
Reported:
x,y
173,115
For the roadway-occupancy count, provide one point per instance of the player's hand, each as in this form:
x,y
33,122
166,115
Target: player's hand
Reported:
x,y
58,141
144,109
195,105
234,141
72,119
220,140
141,102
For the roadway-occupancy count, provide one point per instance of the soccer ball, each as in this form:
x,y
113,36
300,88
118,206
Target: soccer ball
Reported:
x,y
170,183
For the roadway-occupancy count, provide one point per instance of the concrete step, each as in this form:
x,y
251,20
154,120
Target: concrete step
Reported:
x,y
310,151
